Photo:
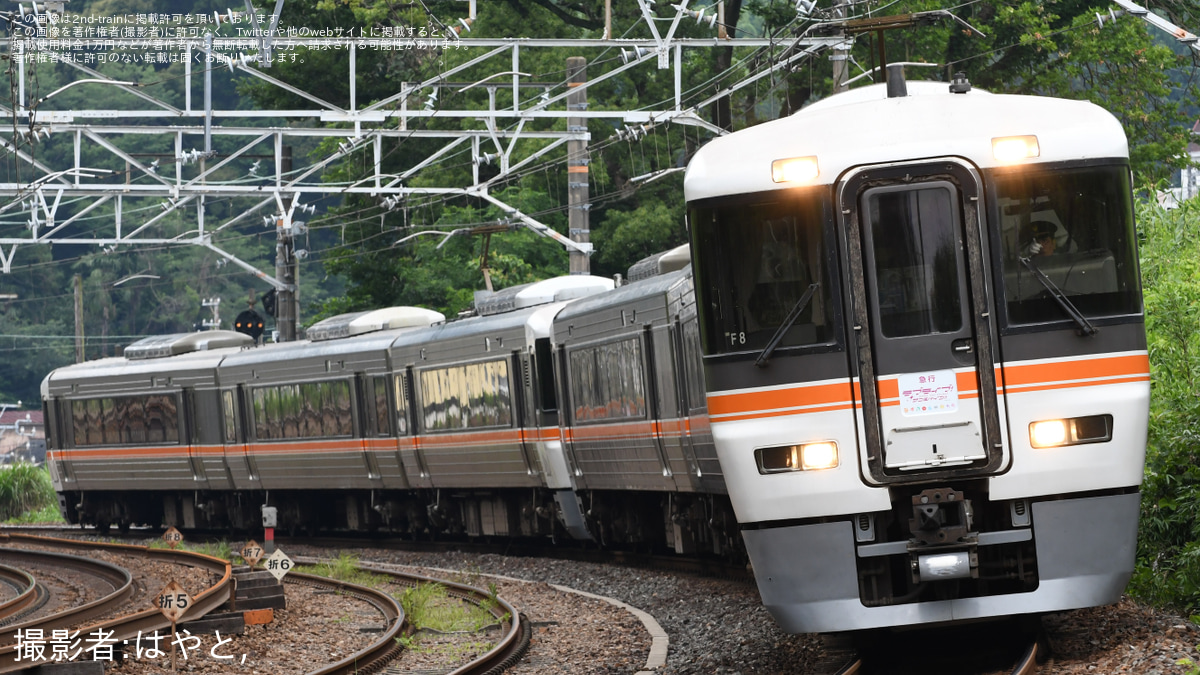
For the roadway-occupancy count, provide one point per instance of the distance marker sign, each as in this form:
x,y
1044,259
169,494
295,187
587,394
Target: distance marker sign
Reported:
x,y
173,601
173,537
252,553
278,564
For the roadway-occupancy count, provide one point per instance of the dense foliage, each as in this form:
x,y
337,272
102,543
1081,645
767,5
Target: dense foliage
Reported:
x,y
1169,546
24,488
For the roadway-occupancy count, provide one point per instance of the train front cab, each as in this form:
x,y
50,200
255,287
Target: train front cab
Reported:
x,y
950,427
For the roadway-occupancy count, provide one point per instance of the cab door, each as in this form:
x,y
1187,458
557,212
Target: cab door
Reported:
x,y
921,322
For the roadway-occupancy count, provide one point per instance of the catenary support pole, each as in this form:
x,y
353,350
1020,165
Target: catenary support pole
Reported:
x,y
577,166
78,319
286,300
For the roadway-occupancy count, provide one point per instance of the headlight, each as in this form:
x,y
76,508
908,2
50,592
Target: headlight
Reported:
x,y
794,170
803,457
1073,431
1048,433
818,456
1008,149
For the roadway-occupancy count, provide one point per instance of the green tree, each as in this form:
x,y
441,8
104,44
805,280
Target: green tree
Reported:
x,y
1168,569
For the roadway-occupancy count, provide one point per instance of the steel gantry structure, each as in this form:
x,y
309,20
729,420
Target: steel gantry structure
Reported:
x,y
41,201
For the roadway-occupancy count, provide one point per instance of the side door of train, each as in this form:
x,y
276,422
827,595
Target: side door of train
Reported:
x,y
241,466
921,322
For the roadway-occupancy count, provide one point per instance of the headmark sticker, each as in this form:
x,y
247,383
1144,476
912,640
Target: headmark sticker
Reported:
x,y
928,393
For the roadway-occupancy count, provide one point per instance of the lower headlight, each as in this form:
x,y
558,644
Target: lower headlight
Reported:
x,y
803,457
1073,431
1048,433
818,456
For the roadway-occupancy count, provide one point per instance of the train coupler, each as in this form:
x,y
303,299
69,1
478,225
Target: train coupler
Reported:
x,y
943,544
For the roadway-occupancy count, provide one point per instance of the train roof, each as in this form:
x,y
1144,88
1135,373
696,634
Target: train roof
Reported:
x,y
287,351
864,126
359,323
555,289
119,367
475,325
657,285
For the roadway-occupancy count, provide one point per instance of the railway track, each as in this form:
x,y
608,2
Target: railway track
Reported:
x,y
507,650
25,593
707,567
379,653
372,659
91,616
119,580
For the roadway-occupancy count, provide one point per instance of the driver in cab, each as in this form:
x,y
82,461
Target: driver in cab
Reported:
x,y
1039,239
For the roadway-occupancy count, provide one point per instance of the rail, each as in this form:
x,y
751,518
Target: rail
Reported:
x,y
120,580
376,655
26,587
145,621
511,646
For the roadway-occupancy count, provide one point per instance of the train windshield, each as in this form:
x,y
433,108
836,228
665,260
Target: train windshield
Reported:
x,y
754,263
1074,226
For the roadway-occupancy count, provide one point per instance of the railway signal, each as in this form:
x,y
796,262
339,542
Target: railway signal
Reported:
x,y
250,323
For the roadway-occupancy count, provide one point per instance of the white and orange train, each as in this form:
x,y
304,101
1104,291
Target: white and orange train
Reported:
x,y
904,367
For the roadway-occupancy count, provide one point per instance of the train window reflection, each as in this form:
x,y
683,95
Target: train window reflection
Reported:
x,y
1076,227
914,247
753,263
309,410
125,420
466,397
229,412
401,404
608,381
383,417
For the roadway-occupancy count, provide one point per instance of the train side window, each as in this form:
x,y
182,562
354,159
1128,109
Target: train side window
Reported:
x,y
693,367
125,420
308,410
608,381
1075,225
544,366
162,422
229,413
291,406
401,392
383,418
343,418
472,396
135,422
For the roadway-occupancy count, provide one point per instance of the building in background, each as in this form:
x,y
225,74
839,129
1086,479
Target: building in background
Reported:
x,y
1189,177
22,436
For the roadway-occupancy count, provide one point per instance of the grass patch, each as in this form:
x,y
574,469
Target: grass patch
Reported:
x,y
26,489
429,606
459,650
42,516
217,549
344,568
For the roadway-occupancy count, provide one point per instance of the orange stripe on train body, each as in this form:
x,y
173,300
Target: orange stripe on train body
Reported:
x,y
1012,379
1080,373
803,396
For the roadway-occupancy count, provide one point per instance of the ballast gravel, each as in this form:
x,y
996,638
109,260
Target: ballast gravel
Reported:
x,y
714,626
719,626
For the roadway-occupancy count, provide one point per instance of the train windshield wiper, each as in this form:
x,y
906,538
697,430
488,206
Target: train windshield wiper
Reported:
x,y
790,319
1085,326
